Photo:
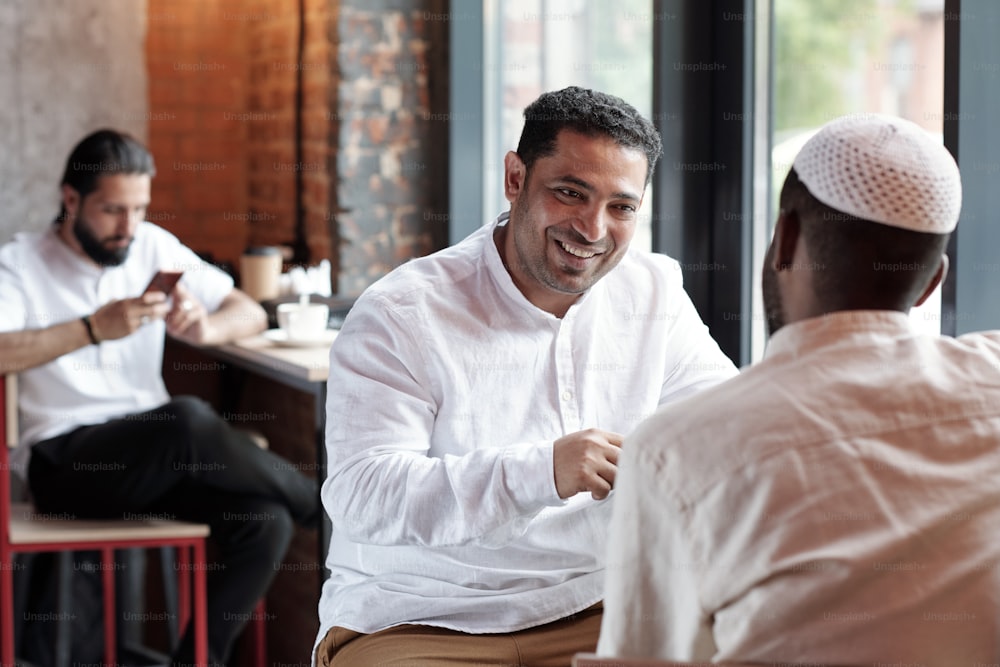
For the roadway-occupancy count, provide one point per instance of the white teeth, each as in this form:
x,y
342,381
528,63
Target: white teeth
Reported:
x,y
582,254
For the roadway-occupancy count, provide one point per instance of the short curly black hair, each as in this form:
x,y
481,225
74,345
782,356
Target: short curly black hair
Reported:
x,y
588,112
858,261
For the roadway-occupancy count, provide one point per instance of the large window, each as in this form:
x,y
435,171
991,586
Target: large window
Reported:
x,y
836,57
739,85
531,46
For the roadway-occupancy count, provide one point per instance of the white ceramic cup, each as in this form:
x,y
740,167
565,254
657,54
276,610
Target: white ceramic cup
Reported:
x,y
303,321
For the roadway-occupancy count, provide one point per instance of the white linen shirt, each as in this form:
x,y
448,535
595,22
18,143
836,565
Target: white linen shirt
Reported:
x,y
43,282
447,389
837,503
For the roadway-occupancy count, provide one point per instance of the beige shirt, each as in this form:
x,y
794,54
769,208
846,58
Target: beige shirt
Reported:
x,y
838,503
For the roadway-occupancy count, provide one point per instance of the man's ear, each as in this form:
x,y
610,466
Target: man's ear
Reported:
x,y
514,173
786,236
71,201
936,280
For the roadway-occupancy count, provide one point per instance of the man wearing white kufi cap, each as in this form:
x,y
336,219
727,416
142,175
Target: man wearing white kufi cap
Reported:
x,y
836,503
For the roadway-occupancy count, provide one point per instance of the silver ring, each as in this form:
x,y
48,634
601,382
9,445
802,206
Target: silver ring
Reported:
x,y
144,320
186,305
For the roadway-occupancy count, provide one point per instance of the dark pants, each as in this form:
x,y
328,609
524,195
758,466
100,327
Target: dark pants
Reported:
x,y
182,461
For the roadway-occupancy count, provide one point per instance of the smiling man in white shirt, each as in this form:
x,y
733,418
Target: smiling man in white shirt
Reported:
x,y
477,403
836,503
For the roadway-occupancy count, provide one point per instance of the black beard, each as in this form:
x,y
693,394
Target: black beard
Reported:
x,y
94,249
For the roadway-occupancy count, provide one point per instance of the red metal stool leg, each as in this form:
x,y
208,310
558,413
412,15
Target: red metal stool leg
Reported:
x,y
110,628
200,606
184,579
7,608
260,634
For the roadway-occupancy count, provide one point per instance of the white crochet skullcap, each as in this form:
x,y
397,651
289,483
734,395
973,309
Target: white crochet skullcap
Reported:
x,y
883,169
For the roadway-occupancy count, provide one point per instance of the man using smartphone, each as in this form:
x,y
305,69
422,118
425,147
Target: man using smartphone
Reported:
x,y
100,436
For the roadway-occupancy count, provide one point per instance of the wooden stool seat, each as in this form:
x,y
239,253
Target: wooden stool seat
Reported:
x,y
27,526
24,530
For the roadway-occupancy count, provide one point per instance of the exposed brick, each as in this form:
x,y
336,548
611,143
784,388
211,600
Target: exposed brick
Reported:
x,y
317,191
162,93
227,70
197,71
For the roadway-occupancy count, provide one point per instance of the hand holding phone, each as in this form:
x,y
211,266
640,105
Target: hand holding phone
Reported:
x,y
163,281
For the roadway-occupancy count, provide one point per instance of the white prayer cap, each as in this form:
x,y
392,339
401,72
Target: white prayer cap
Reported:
x,y
884,169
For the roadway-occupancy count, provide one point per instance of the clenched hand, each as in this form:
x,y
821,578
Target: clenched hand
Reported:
x,y
586,461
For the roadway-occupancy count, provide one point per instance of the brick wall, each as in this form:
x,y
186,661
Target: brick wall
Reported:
x,y
274,163
372,160
391,153
371,163
196,57
318,88
223,80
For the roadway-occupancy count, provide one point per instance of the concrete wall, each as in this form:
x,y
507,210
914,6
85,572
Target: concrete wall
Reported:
x,y
67,67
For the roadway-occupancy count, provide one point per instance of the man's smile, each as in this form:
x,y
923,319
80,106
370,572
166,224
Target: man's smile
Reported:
x,y
577,252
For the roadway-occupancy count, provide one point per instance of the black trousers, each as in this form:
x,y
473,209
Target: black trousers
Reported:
x,y
183,461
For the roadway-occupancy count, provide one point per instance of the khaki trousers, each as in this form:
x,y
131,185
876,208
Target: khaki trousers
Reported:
x,y
550,645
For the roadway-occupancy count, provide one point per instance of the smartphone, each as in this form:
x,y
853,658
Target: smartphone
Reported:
x,y
163,281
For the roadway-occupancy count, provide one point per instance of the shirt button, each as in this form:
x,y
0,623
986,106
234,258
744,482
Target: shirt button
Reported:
x,y
567,395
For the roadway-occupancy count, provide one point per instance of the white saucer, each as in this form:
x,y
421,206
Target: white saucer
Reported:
x,y
280,338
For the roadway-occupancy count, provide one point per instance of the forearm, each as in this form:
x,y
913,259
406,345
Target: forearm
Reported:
x,y
239,316
21,350
403,467
398,497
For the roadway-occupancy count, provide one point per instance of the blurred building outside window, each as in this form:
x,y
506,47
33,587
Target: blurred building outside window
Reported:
x,y
533,46
836,57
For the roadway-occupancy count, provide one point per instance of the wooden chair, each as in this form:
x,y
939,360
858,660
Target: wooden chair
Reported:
x,y
23,530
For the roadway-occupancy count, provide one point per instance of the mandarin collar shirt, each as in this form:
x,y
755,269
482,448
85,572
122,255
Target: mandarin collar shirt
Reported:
x,y
43,282
836,503
447,389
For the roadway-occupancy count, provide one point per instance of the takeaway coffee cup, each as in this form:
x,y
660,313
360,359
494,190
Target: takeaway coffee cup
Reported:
x,y
303,321
260,268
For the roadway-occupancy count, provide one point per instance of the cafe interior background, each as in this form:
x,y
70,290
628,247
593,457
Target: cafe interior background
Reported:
x,y
368,132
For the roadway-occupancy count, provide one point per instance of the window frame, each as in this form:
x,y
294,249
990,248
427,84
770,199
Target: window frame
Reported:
x,y
716,219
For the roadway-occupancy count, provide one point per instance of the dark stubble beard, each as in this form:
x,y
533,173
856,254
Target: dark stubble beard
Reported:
x,y
533,260
94,247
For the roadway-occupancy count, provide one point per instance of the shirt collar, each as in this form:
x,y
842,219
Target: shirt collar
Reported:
x,y
801,338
